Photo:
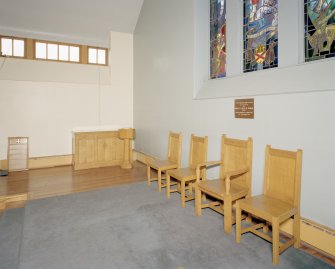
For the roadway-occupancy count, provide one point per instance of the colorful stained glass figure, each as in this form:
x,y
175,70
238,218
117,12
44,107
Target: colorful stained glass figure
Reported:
x,y
218,38
319,29
260,28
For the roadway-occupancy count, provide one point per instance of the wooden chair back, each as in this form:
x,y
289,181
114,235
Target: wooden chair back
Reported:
x,y
282,175
236,154
198,150
174,149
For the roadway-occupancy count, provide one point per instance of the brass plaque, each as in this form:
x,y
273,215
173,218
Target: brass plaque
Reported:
x,y
244,108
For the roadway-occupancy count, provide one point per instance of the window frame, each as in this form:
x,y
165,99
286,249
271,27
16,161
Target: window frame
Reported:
x,y
293,75
30,50
58,44
14,38
97,48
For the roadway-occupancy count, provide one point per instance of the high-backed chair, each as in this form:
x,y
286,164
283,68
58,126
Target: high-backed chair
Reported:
x,y
186,176
279,202
234,181
172,162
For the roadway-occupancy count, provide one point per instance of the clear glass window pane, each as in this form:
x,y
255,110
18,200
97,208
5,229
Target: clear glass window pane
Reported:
x,y
74,54
52,52
92,56
40,50
18,48
63,52
6,46
101,56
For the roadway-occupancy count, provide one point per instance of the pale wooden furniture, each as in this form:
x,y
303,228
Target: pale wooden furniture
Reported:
x,y
187,176
102,148
234,182
127,134
279,202
18,153
172,162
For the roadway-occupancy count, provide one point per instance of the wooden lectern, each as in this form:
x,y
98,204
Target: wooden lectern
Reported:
x,y
127,135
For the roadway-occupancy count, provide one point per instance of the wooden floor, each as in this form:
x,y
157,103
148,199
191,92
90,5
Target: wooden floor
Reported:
x,y
47,182
18,187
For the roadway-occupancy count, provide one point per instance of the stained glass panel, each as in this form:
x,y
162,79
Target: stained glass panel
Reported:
x,y
218,38
319,29
260,27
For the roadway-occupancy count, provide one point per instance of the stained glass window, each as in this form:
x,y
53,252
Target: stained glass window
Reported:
x,y
260,27
319,29
218,38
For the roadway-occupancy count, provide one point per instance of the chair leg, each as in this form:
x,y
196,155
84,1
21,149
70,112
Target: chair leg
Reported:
x,y
190,188
296,230
148,175
227,209
203,197
248,218
167,185
197,194
159,179
238,224
182,193
275,241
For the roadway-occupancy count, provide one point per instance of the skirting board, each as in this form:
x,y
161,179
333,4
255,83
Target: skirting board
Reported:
x,y
314,234
50,161
141,157
43,162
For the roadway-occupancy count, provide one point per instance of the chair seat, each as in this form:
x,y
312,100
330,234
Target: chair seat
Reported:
x,y
186,174
162,164
267,207
217,188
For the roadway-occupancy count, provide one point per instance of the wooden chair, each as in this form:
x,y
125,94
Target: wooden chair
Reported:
x,y
234,182
172,162
280,201
183,176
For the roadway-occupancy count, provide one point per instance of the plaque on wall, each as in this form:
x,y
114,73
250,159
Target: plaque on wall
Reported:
x,y
244,108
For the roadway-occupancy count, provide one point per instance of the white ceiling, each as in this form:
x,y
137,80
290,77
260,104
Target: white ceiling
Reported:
x,y
88,21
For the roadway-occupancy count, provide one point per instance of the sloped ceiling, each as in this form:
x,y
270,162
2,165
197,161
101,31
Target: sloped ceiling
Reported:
x,y
88,21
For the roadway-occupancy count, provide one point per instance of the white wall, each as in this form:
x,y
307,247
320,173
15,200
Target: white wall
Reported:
x,y
166,76
45,100
121,79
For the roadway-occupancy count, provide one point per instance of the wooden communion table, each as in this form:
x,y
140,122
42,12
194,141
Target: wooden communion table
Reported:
x,y
94,149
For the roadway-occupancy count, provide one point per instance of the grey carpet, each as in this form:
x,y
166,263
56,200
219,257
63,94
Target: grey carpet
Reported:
x,y
136,227
11,225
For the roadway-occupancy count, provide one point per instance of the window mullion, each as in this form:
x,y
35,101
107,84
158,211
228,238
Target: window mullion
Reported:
x,y
46,51
12,47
